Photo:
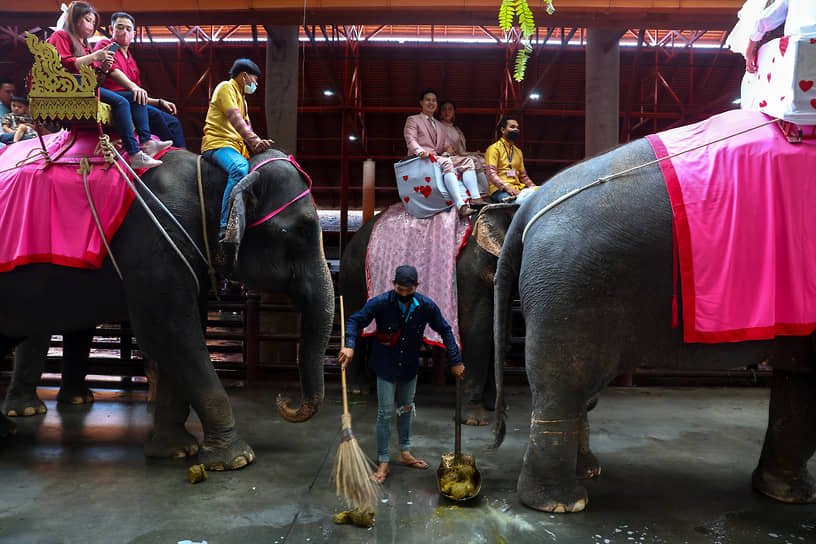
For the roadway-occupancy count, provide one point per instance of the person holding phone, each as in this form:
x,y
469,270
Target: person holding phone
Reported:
x,y
71,42
124,80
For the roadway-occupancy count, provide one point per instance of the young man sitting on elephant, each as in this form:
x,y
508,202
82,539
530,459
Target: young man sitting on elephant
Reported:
x,y
401,315
228,135
505,163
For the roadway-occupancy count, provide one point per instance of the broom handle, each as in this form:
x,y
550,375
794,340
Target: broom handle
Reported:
x,y
342,344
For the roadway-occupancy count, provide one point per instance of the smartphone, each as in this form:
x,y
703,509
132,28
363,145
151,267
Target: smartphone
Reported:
x,y
113,47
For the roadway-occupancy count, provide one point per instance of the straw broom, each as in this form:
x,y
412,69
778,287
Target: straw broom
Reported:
x,y
352,468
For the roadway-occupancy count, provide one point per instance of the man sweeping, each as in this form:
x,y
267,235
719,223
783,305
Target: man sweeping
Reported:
x,y
401,315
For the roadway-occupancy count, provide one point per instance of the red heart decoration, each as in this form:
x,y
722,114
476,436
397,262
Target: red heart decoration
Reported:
x,y
813,103
769,77
448,202
781,99
427,180
763,104
783,45
406,199
426,191
417,188
805,85
404,178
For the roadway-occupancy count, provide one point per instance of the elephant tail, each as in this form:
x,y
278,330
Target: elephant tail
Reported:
x,y
503,284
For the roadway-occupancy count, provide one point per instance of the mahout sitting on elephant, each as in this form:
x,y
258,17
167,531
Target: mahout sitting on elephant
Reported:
x,y
164,300
595,279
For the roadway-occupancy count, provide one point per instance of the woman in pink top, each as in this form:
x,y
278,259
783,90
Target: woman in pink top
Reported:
x,y
457,146
71,42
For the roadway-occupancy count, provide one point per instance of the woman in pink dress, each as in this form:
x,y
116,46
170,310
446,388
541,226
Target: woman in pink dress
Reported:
x,y
458,146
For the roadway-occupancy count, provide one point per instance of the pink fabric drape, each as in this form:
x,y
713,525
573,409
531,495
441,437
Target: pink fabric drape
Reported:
x,y
431,245
45,216
745,228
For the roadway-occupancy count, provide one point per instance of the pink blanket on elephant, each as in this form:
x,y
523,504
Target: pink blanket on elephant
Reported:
x,y
45,216
431,245
745,228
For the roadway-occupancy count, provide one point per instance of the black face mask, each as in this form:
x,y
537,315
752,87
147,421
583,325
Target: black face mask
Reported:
x,y
405,299
513,135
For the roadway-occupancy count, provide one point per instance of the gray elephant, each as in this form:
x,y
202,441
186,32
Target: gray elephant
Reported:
x,y
29,361
474,279
164,300
595,280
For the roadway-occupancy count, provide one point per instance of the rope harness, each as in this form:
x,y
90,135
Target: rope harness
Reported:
x,y
604,179
308,190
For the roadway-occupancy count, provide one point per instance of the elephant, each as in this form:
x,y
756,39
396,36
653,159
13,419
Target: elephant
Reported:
x,y
595,278
21,398
165,301
474,279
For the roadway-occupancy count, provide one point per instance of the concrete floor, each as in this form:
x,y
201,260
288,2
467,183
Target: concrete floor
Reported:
x,y
676,468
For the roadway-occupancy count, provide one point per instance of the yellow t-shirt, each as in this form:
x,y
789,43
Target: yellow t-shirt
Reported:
x,y
499,155
218,131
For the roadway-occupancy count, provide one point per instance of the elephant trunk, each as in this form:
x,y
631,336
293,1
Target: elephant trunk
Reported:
x,y
315,303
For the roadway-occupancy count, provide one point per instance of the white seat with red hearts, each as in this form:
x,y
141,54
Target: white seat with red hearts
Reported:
x,y
419,182
783,85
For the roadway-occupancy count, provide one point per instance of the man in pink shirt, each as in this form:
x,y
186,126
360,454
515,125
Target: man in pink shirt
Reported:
x,y
425,136
124,79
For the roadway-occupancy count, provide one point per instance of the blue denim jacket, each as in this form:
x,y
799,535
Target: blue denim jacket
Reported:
x,y
400,363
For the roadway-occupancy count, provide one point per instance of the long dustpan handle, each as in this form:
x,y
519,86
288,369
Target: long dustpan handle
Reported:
x,y
457,446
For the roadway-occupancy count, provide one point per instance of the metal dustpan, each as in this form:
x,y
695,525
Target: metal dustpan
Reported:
x,y
457,477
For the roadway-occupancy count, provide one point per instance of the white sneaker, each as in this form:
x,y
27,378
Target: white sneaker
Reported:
x,y
151,147
141,160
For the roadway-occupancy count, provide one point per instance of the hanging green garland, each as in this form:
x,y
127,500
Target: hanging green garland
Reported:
x,y
508,11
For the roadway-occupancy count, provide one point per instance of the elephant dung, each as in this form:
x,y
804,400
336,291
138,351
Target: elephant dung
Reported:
x,y
196,473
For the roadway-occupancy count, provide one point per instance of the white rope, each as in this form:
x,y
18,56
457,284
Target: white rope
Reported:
x,y
85,169
598,181
108,148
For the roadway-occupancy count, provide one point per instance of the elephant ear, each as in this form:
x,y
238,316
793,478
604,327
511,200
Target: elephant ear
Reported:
x,y
491,226
227,254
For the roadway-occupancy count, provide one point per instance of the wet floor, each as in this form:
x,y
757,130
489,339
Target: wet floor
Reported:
x,y
676,469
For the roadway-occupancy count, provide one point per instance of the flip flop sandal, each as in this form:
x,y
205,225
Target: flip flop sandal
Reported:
x,y
379,477
416,463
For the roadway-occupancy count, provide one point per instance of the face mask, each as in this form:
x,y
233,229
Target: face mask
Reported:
x,y
251,88
405,299
513,135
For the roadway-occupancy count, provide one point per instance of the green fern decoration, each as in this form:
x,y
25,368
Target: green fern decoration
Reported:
x,y
507,13
525,16
522,56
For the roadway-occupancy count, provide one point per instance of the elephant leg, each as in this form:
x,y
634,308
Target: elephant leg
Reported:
x,y
547,478
790,440
177,343
29,360
169,437
76,347
475,329
587,466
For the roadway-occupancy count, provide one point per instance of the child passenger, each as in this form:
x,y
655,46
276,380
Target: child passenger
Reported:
x,y
18,121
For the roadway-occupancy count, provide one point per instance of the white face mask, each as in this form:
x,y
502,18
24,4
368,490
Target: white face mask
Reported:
x,y
251,87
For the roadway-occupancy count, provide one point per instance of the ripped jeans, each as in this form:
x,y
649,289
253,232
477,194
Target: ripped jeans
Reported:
x,y
404,393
